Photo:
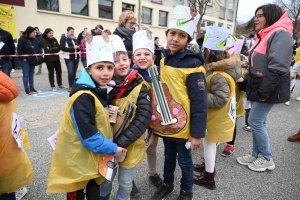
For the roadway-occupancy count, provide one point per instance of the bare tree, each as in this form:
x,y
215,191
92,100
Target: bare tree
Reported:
x,y
293,9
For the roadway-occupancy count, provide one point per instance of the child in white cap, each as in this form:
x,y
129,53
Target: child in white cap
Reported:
x,y
182,71
85,134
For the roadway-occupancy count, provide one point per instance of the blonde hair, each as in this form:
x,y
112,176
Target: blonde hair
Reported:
x,y
125,16
107,31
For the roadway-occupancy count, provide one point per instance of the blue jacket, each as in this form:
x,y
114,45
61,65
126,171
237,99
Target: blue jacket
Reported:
x,y
28,46
198,98
83,115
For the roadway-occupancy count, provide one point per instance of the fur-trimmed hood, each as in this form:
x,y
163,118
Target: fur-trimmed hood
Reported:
x,y
231,66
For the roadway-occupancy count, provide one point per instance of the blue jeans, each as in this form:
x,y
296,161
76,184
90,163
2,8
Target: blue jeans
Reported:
x,y
125,178
172,148
72,66
6,66
84,62
28,73
257,121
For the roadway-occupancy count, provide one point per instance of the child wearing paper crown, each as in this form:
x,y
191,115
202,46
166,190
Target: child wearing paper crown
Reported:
x,y
223,70
182,72
133,89
84,135
15,168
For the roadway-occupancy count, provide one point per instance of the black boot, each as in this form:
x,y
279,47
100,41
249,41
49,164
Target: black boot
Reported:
x,y
185,195
205,179
163,191
156,180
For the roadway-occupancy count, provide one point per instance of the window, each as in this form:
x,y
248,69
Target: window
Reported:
x,y
146,15
163,18
229,27
220,24
222,8
231,9
105,9
178,2
157,1
80,7
126,6
51,5
209,23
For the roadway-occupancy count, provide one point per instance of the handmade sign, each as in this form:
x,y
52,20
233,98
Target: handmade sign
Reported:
x,y
215,38
16,130
234,45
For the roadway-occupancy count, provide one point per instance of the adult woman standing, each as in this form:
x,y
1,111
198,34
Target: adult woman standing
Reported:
x,y
269,81
127,24
83,47
50,45
68,43
27,44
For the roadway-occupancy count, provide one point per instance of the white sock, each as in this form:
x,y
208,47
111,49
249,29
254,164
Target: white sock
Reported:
x,y
209,155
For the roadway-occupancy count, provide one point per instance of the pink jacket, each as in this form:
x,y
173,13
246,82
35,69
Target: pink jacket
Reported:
x,y
83,48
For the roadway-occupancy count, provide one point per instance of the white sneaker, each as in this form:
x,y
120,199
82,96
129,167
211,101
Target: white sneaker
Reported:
x,y
298,98
21,193
54,89
245,160
12,70
287,103
261,164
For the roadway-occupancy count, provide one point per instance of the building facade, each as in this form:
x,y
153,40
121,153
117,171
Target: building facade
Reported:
x,y
80,14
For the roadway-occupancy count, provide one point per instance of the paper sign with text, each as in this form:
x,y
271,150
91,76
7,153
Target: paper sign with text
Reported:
x,y
52,140
16,131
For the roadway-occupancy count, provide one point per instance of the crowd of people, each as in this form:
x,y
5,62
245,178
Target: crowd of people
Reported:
x,y
205,89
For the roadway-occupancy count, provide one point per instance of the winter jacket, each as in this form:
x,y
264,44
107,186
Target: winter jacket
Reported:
x,y
50,45
143,113
39,38
28,46
67,45
220,90
127,42
9,45
270,59
187,73
83,48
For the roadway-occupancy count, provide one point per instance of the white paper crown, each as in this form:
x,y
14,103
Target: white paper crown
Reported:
x,y
185,18
215,38
117,43
234,44
99,50
143,39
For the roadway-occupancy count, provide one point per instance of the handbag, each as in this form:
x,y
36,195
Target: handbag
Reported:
x,y
38,59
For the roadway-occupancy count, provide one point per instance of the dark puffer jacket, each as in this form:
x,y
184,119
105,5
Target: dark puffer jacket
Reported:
x,y
50,45
143,113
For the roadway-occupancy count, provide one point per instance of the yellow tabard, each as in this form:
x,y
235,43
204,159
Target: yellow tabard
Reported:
x,y
73,166
136,151
220,125
240,111
175,79
15,168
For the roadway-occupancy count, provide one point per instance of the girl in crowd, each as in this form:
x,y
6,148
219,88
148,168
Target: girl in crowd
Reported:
x,y
269,79
68,43
27,44
50,45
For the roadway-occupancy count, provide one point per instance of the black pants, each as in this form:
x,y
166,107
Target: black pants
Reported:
x,y
92,192
246,116
51,66
234,134
10,196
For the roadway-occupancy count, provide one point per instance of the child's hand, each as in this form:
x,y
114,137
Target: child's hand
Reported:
x,y
120,151
195,143
111,110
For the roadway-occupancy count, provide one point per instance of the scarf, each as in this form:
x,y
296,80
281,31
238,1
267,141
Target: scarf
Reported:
x,y
128,33
144,73
71,36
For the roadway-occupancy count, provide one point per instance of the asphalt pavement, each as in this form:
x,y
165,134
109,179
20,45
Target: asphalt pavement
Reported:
x,y
43,112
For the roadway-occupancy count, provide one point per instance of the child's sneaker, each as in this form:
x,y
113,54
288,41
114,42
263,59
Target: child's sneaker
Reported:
x,y
163,191
134,191
261,164
248,128
298,98
245,160
156,180
229,149
185,195
21,193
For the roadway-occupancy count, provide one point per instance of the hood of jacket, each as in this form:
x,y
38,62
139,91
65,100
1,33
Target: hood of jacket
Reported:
x,y
85,82
231,66
284,23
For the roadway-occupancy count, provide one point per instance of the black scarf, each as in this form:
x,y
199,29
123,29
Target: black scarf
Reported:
x,y
128,33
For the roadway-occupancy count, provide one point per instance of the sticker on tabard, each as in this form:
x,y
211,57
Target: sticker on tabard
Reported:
x,y
201,85
232,108
16,130
52,140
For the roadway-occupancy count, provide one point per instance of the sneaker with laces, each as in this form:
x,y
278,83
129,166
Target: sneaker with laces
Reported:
x,y
245,160
21,193
185,195
162,192
134,191
298,98
27,92
156,180
287,103
229,149
261,164
33,91
54,89
248,128
12,70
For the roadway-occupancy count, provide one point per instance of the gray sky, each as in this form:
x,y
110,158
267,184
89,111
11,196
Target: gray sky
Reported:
x,y
247,8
